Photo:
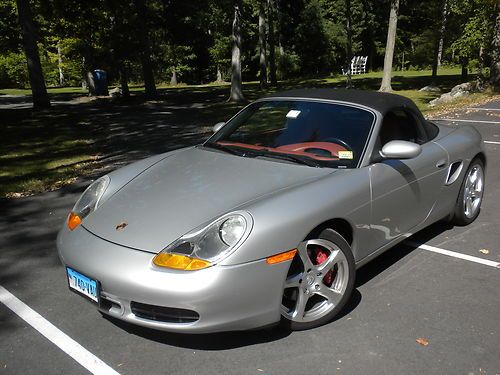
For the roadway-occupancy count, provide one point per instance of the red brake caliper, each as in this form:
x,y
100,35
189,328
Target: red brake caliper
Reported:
x,y
319,256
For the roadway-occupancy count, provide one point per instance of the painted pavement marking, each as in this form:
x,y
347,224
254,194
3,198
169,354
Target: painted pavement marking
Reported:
x,y
454,254
56,336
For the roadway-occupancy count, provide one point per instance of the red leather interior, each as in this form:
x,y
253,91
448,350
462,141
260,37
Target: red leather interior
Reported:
x,y
297,149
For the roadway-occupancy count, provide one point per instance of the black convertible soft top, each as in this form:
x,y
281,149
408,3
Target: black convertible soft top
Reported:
x,y
380,101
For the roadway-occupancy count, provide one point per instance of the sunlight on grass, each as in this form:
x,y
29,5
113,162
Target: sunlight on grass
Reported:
x,y
44,150
50,90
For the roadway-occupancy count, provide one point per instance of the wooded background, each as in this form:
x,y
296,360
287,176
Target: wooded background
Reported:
x,y
56,42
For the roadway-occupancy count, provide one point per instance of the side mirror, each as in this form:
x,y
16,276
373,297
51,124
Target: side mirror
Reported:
x,y
217,126
400,150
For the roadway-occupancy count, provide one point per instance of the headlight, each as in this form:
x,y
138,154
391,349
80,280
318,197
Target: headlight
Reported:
x,y
88,202
204,247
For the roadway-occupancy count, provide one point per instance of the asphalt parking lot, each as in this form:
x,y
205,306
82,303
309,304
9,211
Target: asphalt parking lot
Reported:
x,y
447,300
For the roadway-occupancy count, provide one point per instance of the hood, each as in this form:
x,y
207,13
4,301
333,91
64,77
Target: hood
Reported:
x,y
186,190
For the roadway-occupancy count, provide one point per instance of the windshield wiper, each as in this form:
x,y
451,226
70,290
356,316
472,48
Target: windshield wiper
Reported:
x,y
291,157
227,149
269,154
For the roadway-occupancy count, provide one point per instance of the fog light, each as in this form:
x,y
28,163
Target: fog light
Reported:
x,y
179,262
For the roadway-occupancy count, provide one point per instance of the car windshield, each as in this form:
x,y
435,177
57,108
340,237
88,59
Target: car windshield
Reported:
x,y
306,132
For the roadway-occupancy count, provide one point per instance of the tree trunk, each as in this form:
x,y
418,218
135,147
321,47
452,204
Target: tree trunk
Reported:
x,y
173,80
236,93
124,80
272,44
37,82
389,49
118,50
480,65
145,53
495,51
348,17
85,84
441,33
262,46
219,75
59,65
89,78
439,52
465,74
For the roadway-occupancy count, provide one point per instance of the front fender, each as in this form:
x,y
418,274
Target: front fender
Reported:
x,y
283,220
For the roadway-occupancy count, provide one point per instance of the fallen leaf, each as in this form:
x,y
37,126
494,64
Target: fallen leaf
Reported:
x,y
422,341
484,251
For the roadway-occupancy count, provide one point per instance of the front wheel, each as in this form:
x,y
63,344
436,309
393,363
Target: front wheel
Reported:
x,y
319,282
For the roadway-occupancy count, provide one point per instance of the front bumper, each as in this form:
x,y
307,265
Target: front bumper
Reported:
x,y
237,297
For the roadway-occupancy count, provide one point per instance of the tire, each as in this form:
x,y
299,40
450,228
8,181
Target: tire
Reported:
x,y
319,282
470,197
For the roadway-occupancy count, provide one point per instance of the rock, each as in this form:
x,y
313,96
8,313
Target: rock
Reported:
x,y
115,93
445,98
458,91
430,89
463,87
460,94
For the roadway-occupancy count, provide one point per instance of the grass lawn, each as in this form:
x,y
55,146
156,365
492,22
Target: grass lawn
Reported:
x,y
42,150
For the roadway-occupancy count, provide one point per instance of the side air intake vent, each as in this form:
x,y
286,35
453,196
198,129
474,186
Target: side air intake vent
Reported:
x,y
453,172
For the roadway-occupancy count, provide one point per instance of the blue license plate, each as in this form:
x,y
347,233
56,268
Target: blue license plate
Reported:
x,y
82,284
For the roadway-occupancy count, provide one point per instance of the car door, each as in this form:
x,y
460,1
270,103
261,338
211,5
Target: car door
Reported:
x,y
404,191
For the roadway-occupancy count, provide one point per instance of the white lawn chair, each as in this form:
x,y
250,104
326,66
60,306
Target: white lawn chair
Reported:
x,y
358,65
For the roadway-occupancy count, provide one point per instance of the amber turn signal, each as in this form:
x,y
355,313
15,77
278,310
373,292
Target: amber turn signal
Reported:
x,y
281,257
73,221
179,262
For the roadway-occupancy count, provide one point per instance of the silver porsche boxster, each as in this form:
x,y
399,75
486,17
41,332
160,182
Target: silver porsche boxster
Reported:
x,y
267,221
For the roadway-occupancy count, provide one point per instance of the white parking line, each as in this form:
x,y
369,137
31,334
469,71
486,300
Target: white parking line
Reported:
x,y
454,254
492,142
483,109
457,120
56,336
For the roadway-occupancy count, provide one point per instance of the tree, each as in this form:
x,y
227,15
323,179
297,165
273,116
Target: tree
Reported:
x,y
272,44
145,53
495,51
37,82
476,22
236,93
262,46
119,41
349,41
439,53
389,49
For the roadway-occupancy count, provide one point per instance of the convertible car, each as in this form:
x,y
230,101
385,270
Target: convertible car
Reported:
x,y
267,221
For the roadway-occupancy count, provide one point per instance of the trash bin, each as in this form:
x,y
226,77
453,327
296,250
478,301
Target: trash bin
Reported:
x,y
101,82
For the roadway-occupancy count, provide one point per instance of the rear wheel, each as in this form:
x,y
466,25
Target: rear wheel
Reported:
x,y
319,282
471,194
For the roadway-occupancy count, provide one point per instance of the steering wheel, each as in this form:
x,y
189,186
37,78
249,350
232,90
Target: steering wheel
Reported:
x,y
339,142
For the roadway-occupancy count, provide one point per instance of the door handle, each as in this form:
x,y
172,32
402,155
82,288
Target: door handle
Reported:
x,y
441,163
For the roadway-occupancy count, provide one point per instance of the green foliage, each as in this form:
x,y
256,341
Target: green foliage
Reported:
x,y
13,70
220,54
312,41
288,64
194,38
178,58
10,39
477,27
